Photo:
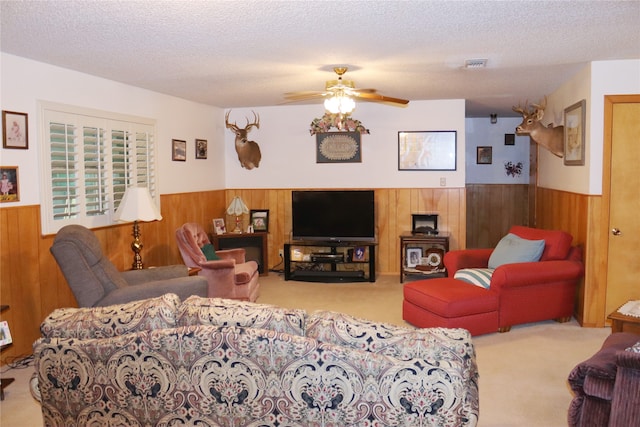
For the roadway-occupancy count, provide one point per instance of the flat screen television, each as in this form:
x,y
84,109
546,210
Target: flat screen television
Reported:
x,y
333,215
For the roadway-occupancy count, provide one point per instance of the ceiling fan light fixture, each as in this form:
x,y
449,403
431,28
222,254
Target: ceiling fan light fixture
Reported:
x,y
339,104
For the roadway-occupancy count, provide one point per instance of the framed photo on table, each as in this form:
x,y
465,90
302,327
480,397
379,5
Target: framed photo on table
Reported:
x,y
414,256
218,226
259,219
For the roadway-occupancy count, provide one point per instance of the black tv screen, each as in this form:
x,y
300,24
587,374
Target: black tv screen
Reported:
x,y
333,215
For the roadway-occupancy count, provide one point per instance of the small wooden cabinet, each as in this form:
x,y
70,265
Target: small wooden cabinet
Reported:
x,y
422,255
254,244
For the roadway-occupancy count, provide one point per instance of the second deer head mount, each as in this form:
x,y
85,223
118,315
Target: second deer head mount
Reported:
x,y
248,151
551,138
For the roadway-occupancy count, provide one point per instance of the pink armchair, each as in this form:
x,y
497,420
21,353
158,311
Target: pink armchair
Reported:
x,y
230,276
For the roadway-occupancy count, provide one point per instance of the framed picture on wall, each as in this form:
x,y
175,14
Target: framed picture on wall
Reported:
x,y
9,184
430,150
201,148
15,130
178,150
574,122
484,155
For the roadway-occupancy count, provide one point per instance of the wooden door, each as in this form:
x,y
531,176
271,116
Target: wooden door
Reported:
x,y
623,271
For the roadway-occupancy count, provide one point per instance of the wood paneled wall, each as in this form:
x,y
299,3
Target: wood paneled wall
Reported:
x,y
492,209
32,285
581,216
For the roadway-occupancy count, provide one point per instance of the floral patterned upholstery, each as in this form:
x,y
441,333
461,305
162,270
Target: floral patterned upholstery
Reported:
x,y
212,372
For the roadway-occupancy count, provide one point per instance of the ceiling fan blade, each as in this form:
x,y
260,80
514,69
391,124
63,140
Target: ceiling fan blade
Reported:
x,y
364,90
304,95
380,98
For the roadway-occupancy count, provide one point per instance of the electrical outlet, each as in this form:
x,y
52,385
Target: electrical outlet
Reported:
x,y
281,253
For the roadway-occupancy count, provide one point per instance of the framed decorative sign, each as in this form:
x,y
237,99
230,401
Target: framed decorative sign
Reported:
x,y
9,184
574,122
201,148
15,130
178,150
338,147
427,151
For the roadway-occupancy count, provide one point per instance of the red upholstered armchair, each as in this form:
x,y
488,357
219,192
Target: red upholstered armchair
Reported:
x,y
529,291
229,276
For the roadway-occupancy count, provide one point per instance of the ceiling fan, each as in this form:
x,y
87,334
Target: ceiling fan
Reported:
x,y
339,95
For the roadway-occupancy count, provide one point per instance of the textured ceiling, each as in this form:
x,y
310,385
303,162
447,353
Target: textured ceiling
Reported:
x,y
249,53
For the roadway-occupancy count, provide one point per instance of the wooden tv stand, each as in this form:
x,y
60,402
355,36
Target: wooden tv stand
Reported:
x,y
313,261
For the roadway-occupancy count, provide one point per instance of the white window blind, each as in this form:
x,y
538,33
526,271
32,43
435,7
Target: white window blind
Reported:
x,y
90,158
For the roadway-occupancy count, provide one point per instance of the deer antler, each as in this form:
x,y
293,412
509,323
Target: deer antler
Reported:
x,y
256,122
233,126
542,104
522,110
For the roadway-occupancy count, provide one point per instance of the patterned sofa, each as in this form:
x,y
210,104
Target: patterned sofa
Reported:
x,y
217,362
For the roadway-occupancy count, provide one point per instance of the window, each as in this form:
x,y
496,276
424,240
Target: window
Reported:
x,y
89,159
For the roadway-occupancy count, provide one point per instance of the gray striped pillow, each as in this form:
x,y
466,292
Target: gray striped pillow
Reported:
x,y
476,276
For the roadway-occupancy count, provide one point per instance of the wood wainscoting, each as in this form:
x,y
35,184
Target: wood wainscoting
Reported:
x,y
581,216
33,286
491,211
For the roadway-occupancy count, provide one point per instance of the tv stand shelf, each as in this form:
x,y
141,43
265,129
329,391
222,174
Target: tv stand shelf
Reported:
x,y
314,261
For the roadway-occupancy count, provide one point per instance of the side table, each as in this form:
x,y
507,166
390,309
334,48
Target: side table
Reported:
x,y
430,246
623,323
4,382
254,244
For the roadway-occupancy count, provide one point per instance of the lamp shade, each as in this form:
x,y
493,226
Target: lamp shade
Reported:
x,y
137,205
237,207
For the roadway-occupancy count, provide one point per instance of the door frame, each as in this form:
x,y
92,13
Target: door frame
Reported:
x,y
609,102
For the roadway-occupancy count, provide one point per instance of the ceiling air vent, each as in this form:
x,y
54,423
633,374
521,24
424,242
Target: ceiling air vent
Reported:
x,y
474,64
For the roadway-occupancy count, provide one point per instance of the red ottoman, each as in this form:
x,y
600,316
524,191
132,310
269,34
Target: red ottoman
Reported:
x,y
450,303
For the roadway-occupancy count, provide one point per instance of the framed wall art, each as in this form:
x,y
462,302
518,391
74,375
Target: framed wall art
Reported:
x,y
338,147
9,190
259,219
179,150
574,123
427,150
484,155
201,148
509,139
15,130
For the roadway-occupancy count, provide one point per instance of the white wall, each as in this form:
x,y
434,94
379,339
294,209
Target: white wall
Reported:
x,y
591,83
480,132
24,82
289,151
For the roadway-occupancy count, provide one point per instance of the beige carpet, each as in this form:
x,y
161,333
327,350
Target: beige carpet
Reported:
x,y
522,373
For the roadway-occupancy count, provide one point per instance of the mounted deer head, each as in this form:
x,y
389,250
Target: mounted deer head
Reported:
x,y
248,151
550,138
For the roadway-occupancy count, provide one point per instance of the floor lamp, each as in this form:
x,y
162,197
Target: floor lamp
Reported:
x,y
137,205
